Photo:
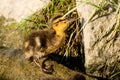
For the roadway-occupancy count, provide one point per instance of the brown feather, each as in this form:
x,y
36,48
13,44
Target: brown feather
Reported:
x,y
49,42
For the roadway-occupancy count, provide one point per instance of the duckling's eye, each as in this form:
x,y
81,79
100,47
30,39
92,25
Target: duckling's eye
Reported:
x,y
64,21
55,24
60,20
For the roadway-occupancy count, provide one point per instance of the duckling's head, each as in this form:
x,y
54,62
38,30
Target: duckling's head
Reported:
x,y
60,24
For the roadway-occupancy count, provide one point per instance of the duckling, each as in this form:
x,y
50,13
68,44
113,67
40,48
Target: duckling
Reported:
x,y
41,43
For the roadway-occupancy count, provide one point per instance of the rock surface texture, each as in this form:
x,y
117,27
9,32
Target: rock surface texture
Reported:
x,y
20,9
101,38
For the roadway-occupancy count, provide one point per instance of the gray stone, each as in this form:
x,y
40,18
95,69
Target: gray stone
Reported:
x,y
101,41
20,9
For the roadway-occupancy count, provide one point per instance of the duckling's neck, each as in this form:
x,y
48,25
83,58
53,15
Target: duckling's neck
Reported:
x,y
60,33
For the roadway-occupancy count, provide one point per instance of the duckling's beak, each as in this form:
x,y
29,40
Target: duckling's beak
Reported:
x,y
70,20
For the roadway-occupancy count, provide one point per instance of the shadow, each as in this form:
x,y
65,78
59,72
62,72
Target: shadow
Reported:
x,y
74,63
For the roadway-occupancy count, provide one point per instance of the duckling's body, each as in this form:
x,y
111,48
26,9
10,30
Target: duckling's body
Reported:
x,y
43,42
40,43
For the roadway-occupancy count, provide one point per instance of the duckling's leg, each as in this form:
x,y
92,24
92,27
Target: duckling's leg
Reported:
x,y
48,70
36,62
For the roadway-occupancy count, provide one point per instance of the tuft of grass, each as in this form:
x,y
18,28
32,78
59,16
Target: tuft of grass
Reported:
x,y
102,9
42,19
114,75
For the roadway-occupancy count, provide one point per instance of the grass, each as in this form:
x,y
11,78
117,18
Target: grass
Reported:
x,y
7,32
101,9
43,17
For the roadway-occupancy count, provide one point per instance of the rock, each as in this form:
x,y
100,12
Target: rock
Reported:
x,y
20,9
101,40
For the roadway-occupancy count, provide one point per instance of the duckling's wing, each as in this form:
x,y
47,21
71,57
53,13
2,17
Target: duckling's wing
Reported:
x,y
40,41
43,42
